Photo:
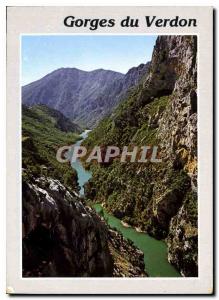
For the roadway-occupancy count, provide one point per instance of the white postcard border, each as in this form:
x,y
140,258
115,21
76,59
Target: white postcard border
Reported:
x,y
47,20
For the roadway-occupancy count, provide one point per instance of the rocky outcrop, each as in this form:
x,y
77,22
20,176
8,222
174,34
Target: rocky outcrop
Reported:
x,y
182,239
61,237
178,126
85,97
128,260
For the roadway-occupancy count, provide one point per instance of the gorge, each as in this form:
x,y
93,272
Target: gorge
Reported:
x,y
153,104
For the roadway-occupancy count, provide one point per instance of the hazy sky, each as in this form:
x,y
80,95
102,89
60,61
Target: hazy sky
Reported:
x,y
42,54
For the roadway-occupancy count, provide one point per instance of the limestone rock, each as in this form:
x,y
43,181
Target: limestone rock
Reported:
x,y
61,237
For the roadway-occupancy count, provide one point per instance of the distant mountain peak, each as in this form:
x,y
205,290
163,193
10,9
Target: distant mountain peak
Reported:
x,y
83,96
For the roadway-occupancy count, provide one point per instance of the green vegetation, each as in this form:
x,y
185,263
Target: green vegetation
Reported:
x,y
191,207
157,106
144,195
130,122
41,138
127,188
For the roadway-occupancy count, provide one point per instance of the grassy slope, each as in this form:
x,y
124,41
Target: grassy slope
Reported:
x,y
40,140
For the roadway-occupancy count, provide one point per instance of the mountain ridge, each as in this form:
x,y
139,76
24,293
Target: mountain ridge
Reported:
x,y
73,69
85,97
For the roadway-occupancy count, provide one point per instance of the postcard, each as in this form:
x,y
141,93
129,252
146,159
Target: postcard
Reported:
x,y
109,150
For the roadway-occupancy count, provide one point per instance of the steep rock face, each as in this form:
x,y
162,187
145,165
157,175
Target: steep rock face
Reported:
x,y
135,74
183,237
178,125
64,238
85,97
162,110
128,260
178,132
60,236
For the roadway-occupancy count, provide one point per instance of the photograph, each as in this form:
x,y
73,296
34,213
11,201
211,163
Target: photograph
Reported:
x,y
109,155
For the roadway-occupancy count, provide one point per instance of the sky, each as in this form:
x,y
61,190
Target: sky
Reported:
x,y
42,54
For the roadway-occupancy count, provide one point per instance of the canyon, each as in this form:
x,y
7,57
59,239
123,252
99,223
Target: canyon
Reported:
x,y
153,104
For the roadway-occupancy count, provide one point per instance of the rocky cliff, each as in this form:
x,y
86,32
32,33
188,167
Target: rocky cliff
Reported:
x,y
128,261
60,236
63,237
162,110
85,97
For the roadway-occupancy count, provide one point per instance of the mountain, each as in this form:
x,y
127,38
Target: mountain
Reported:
x,y
160,198
85,97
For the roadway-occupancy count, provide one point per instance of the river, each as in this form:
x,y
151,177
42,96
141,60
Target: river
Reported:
x,y
155,251
83,175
